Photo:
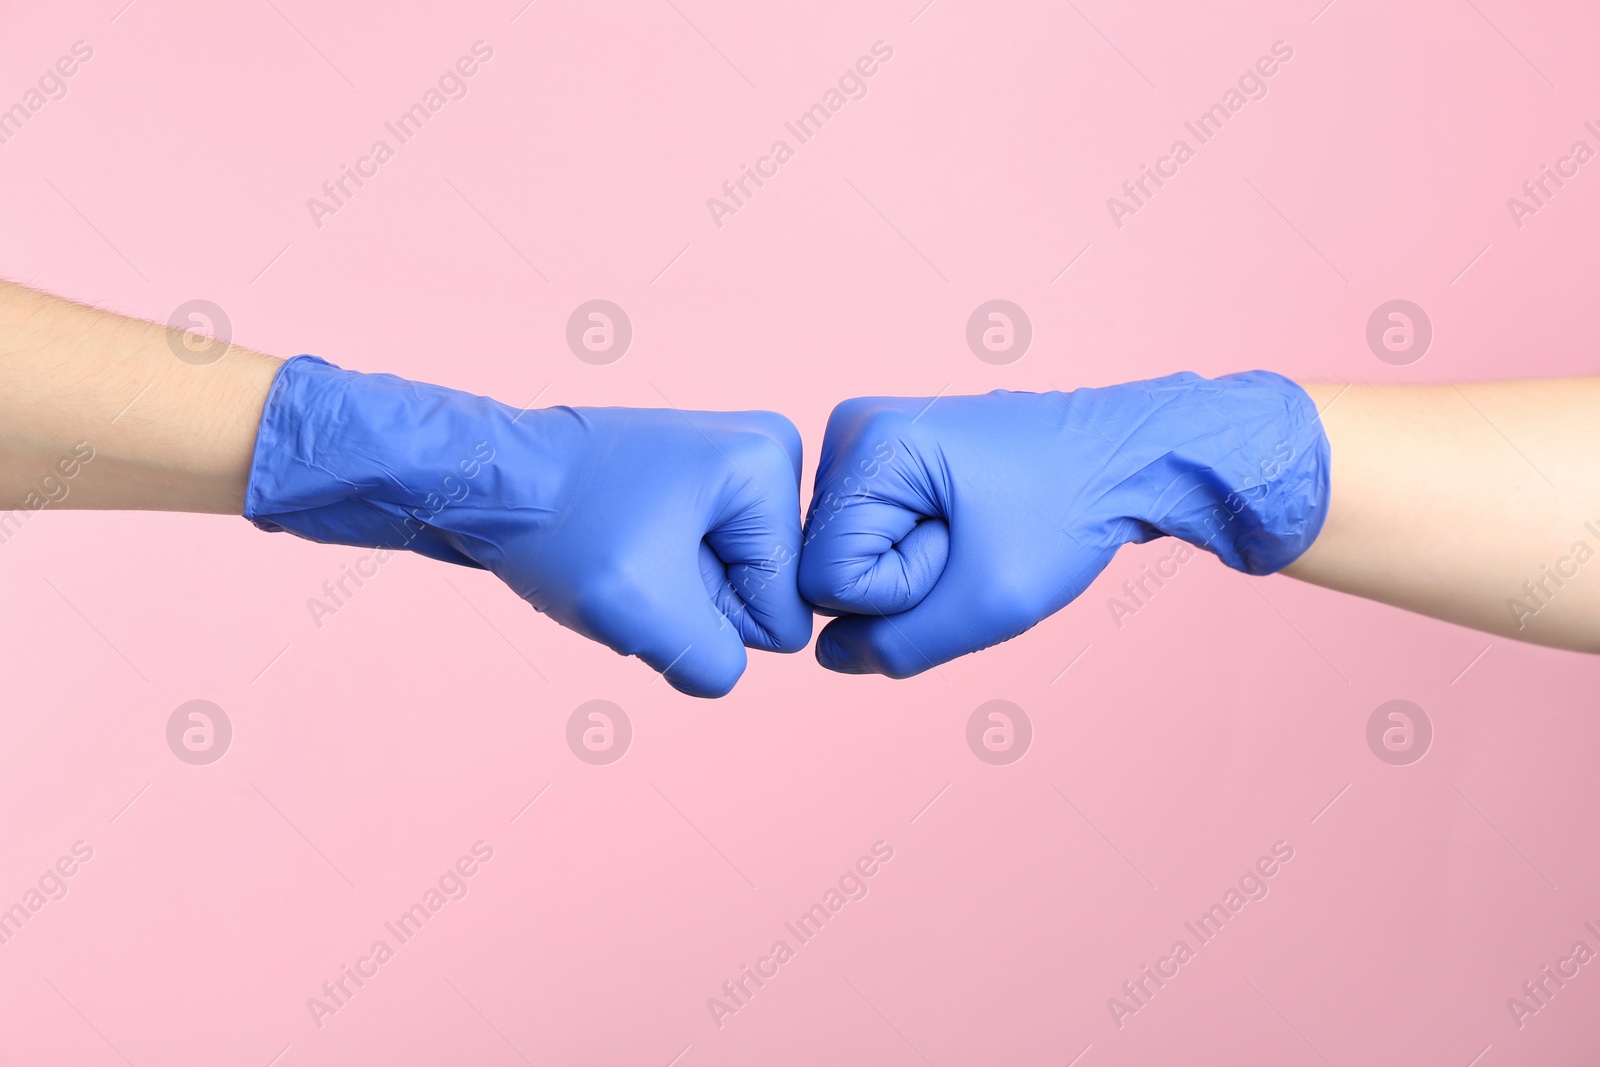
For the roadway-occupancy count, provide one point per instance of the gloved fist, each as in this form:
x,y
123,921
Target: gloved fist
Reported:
x,y
941,527
668,535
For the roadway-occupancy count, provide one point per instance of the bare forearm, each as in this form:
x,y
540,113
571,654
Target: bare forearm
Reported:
x,y
1463,502
164,434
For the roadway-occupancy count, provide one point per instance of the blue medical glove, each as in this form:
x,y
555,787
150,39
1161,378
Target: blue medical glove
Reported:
x,y
940,527
668,535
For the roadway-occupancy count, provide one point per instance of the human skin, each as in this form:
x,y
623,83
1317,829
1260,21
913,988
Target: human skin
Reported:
x,y
1447,500
166,434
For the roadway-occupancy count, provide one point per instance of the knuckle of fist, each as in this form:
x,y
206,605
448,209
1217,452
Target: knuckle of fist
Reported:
x,y
762,456
882,424
828,585
782,429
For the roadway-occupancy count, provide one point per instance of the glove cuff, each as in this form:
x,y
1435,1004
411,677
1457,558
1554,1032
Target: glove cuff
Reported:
x,y
1237,465
1257,462
374,460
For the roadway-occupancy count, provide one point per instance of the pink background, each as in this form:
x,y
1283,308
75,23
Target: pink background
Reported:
x,y
370,753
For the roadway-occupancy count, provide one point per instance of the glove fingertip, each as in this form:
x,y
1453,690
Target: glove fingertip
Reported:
x,y
925,551
850,645
832,654
794,632
707,678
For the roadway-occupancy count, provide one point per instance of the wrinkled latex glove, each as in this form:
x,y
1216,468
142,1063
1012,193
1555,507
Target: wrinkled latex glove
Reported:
x,y
668,535
941,527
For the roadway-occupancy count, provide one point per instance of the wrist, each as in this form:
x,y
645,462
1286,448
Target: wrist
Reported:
x,y
375,460
1237,465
